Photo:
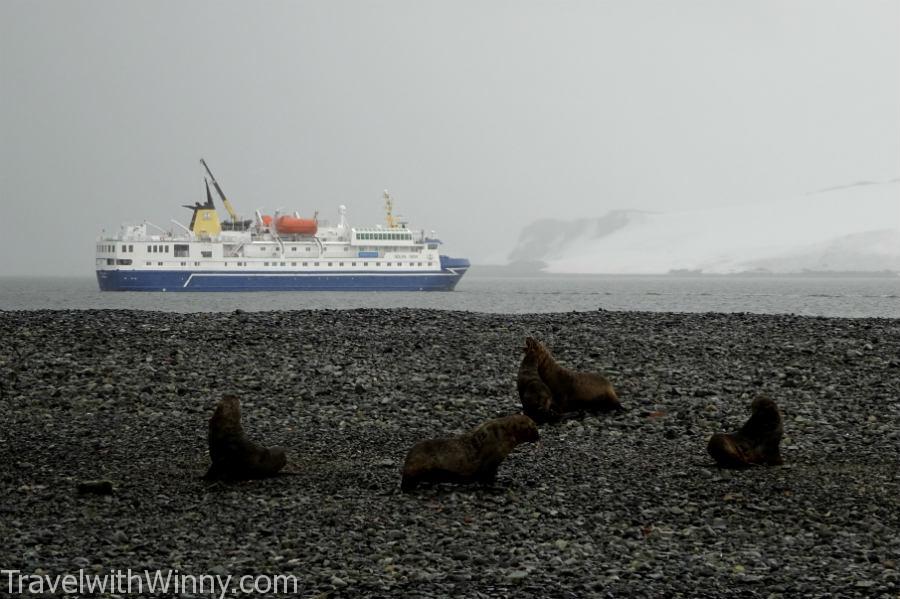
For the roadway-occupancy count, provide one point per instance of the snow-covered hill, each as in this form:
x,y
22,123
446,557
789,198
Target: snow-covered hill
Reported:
x,y
850,228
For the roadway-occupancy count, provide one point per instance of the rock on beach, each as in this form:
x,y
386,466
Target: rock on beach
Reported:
x,y
612,505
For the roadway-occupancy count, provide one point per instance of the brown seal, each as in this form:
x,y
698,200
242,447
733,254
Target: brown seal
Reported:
x,y
755,444
572,391
234,456
470,458
535,395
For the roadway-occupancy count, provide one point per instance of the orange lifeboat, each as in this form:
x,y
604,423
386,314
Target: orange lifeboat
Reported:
x,y
291,225
267,220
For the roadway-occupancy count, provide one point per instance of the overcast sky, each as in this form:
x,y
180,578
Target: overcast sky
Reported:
x,y
479,117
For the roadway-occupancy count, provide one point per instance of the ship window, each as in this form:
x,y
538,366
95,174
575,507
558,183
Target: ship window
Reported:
x,y
293,249
340,264
265,263
365,263
166,248
110,261
149,264
159,263
432,246
196,264
293,264
307,249
353,264
282,263
306,264
123,248
182,250
184,263
130,248
331,264
206,254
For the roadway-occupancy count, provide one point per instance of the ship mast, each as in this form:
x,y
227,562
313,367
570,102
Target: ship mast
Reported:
x,y
389,210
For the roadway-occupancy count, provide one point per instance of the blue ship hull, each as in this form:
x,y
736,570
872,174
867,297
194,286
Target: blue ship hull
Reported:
x,y
452,270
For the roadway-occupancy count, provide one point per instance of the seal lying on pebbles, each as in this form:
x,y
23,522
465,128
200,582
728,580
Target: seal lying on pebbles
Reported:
x,y
572,391
535,395
472,457
234,456
756,443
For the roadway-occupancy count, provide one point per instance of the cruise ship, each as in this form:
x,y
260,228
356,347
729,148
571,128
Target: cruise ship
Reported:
x,y
278,252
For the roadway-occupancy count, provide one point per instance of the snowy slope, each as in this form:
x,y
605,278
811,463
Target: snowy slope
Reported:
x,y
854,227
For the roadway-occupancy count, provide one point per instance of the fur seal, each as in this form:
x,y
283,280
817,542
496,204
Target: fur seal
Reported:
x,y
535,395
572,391
472,457
234,456
756,443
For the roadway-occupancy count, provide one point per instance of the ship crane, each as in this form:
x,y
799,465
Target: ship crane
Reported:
x,y
236,224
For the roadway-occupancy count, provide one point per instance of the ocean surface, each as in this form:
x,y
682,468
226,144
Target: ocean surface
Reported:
x,y
850,296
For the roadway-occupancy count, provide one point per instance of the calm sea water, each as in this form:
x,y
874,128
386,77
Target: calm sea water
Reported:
x,y
485,292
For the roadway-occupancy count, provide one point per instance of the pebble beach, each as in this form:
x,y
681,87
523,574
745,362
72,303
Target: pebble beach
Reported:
x,y
624,505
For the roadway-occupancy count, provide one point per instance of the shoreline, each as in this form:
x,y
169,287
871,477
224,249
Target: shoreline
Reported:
x,y
849,297
628,505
